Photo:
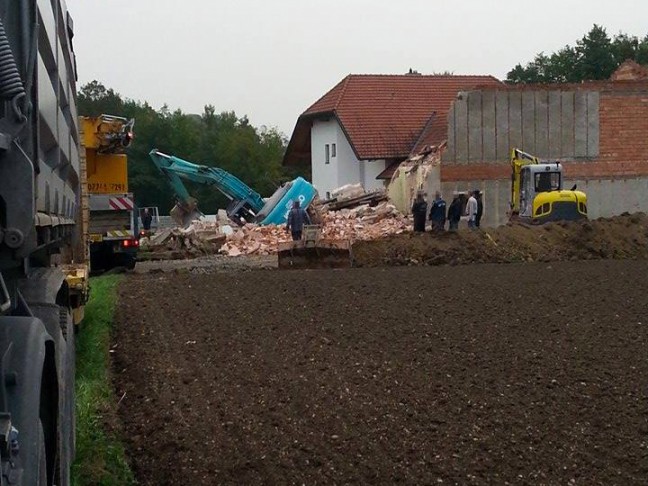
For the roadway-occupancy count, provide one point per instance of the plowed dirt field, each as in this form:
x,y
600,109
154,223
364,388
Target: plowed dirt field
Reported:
x,y
482,374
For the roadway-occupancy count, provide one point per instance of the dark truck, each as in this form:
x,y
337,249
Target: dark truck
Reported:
x,y
43,276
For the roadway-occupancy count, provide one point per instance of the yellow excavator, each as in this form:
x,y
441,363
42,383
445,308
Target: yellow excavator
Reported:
x,y
537,194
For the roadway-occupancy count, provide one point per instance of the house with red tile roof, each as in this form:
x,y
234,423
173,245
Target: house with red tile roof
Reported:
x,y
366,125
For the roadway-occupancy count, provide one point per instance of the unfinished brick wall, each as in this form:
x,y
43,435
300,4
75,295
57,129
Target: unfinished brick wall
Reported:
x,y
624,127
615,178
623,144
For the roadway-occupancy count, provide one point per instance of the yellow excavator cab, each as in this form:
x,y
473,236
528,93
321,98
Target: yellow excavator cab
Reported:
x,y
537,193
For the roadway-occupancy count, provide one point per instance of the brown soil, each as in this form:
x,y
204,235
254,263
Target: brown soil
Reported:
x,y
483,374
622,237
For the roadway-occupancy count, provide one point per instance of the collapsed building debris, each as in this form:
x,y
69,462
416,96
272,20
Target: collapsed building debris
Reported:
x,y
360,223
420,172
200,238
353,215
353,195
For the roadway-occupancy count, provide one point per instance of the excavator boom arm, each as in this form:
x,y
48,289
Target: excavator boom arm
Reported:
x,y
518,160
245,203
230,185
176,169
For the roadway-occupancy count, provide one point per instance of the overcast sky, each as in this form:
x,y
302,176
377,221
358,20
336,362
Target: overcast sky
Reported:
x,y
271,59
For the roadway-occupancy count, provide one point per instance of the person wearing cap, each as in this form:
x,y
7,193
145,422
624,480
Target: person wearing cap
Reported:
x,y
297,218
471,210
419,211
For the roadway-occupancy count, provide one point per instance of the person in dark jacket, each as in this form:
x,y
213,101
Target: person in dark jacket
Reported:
x,y
419,211
146,219
454,213
480,207
297,218
438,213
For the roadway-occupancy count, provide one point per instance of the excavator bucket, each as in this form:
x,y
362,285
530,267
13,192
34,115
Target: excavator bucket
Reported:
x,y
313,252
183,215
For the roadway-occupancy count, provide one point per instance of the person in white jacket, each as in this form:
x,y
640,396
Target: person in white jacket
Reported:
x,y
471,210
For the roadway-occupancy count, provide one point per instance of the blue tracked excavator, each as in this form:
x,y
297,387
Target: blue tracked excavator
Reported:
x,y
246,205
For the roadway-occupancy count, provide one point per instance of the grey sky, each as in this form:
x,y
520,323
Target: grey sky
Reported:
x,y
272,59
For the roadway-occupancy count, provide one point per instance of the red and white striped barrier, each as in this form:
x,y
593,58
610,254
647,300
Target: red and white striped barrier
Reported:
x,y
121,203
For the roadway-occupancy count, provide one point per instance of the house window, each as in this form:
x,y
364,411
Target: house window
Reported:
x,y
334,150
327,154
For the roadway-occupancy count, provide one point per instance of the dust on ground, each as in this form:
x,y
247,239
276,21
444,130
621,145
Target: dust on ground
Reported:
x,y
477,374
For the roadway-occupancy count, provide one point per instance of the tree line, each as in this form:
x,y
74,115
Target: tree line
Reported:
x,y
222,140
594,57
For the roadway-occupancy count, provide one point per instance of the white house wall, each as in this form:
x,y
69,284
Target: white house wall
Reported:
x,y
344,168
325,176
371,169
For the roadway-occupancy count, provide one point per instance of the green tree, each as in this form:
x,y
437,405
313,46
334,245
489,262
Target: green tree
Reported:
x,y
594,57
94,100
642,52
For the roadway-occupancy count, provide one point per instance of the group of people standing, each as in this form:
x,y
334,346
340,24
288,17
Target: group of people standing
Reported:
x,y
438,214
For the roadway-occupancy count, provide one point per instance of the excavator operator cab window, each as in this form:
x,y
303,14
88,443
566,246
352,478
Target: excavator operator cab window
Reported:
x,y
547,181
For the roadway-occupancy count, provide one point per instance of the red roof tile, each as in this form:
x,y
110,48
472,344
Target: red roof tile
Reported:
x,y
384,115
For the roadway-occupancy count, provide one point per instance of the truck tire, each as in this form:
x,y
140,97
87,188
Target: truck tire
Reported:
x,y
32,402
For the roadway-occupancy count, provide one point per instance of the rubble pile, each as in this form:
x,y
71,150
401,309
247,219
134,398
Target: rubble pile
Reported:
x,y
354,215
364,223
198,239
252,239
360,223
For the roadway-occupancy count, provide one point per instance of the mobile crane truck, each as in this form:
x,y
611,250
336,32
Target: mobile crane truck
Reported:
x,y
43,275
112,223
